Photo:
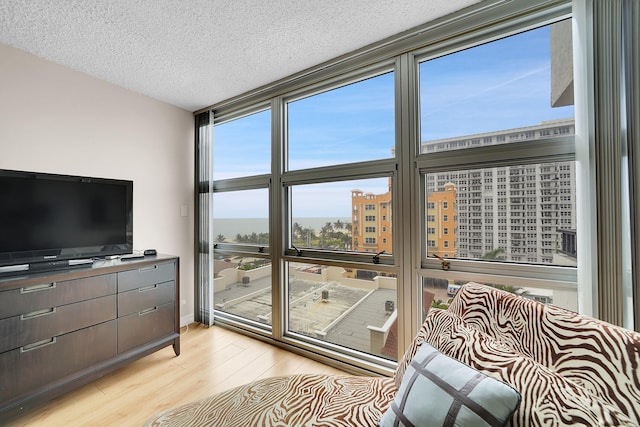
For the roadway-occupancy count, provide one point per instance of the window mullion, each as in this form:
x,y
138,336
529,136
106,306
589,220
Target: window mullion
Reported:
x,y
351,171
542,151
277,225
406,203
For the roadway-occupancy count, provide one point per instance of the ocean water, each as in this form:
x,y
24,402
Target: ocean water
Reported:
x,y
230,227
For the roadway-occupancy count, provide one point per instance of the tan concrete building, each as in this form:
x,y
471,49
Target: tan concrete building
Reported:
x,y
372,222
442,222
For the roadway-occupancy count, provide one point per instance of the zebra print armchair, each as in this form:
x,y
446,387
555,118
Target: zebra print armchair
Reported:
x,y
569,369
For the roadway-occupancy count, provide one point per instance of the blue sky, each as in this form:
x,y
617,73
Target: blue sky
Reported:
x,y
500,85
350,124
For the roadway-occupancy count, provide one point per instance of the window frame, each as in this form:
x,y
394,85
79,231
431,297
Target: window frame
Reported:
x,y
382,168
249,182
401,54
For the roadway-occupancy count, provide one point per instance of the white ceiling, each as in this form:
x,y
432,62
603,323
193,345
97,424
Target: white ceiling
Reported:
x,y
194,53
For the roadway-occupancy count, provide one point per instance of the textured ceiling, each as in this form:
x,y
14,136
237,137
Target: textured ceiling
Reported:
x,y
194,53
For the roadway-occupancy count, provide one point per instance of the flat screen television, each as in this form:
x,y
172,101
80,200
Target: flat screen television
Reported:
x,y
46,219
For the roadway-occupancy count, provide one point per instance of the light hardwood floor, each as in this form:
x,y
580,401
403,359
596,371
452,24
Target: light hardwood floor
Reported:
x,y
211,360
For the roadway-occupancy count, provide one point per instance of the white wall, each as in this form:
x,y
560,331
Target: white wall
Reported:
x,y
54,119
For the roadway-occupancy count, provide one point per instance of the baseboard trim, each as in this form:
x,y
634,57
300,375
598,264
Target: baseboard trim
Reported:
x,y
187,320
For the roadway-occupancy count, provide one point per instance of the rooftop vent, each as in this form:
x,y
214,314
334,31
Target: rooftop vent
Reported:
x,y
389,306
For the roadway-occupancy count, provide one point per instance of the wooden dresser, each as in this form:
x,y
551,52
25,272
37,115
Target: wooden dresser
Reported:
x,y
62,329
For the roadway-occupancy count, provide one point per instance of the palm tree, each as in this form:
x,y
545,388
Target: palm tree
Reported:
x,y
220,238
298,232
325,233
338,225
495,254
346,240
307,235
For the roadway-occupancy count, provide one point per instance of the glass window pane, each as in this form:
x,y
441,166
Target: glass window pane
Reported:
x,y
241,216
353,123
242,147
352,308
242,287
516,89
438,293
523,213
346,215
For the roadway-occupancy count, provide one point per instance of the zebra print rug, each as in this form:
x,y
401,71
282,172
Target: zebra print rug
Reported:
x,y
297,400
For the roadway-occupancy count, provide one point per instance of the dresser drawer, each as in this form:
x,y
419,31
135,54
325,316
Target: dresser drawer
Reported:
x,y
146,297
145,326
29,367
53,294
145,276
42,324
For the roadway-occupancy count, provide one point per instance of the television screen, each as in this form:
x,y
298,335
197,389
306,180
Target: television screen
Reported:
x,y
46,216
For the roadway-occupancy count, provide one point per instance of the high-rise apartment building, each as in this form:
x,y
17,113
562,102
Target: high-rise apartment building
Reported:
x,y
521,213
515,213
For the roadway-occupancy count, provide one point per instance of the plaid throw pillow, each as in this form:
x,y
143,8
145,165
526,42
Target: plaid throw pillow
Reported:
x,y
437,390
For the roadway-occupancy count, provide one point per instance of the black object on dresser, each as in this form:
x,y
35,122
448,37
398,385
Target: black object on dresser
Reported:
x,y
60,330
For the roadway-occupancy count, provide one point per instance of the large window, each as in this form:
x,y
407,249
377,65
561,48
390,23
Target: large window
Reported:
x,y
342,216
496,93
340,208
242,279
241,216
522,219
353,308
508,110
243,147
348,202
352,123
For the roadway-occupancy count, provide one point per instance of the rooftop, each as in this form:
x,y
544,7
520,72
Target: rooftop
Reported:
x,y
327,310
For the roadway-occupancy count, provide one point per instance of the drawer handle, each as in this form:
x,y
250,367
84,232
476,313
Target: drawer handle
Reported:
x,y
38,313
38,288
143,269
148,288
37,345
147,311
